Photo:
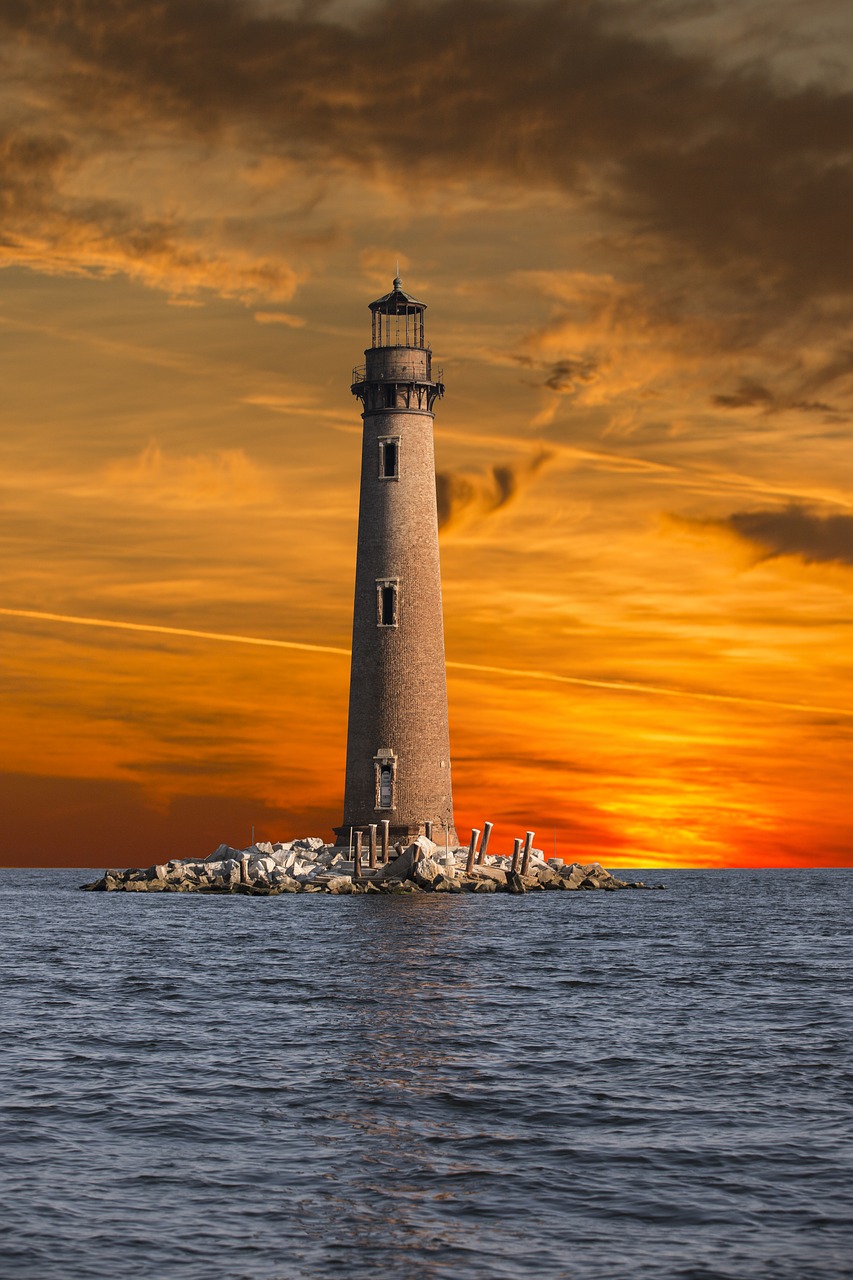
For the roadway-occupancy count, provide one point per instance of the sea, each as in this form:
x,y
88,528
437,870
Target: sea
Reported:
x,y
583,1086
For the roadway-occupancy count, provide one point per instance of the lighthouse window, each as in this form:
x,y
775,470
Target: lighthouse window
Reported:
x,y
389,459
386,601
389,606
385,764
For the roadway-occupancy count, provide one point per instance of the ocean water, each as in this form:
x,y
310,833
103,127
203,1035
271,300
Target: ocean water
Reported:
x,y
590,1086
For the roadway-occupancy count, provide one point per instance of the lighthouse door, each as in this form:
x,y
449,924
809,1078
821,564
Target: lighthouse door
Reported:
x,y
385,787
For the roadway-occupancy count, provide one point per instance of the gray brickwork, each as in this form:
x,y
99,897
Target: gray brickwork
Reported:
x,y
398,688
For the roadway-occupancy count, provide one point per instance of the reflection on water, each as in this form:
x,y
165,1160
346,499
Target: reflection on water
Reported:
x,y
396,1060
566,1085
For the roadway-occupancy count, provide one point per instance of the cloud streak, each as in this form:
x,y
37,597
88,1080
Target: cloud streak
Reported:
x,y
615,686
181,632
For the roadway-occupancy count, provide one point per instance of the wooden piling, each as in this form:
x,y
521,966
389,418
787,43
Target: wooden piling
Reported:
x,y
428,830
484,843
372,845
356,869
515,852
528,845
386,827
472,849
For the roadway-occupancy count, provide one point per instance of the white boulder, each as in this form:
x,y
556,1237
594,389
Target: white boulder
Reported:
x,y
224,851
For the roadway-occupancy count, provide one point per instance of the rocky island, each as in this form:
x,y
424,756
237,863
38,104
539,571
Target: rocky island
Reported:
x,y
310,866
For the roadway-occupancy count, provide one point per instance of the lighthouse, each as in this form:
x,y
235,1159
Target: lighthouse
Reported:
x,y
398,742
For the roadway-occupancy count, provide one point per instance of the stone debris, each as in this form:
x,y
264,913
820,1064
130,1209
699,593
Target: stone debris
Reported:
x,y
310,866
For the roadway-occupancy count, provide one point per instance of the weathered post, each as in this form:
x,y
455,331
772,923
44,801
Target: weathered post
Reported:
x,y
528,845
244,869
372,845
515,852
428,830
484,843
356,869
472,849
386,826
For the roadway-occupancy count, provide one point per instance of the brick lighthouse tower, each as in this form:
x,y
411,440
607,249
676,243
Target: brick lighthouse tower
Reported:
x,y
398,744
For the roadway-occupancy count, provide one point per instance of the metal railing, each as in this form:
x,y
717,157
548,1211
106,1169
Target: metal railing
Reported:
x,y
401,373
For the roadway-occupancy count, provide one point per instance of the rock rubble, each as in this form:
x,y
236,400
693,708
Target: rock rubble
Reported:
x,y
310,866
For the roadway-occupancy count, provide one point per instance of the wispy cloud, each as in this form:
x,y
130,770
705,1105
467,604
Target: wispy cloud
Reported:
x,y
222,478
470,495
280,317
58,220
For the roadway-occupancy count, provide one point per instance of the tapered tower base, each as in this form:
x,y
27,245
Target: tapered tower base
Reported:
x,y
398,744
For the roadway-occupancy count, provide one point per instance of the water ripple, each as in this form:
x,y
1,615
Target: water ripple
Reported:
x,y
566,1087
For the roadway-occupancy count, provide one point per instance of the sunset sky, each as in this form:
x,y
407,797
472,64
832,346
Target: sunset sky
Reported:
x,y
633,224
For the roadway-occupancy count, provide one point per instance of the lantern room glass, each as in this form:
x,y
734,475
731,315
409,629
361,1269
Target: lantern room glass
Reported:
x,y
397,319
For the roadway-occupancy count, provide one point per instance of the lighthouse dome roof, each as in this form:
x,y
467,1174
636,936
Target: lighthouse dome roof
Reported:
x,y
397,302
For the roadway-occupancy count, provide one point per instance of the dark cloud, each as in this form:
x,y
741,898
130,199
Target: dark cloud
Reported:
x,y
724,167
749,395
566,377
754,395
30,165
794,531
468,494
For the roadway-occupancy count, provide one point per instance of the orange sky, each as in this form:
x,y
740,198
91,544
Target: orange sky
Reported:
x,y
631,223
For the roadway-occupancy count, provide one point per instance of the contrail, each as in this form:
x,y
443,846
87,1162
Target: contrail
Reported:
x,y
667,691
617,686
172,631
